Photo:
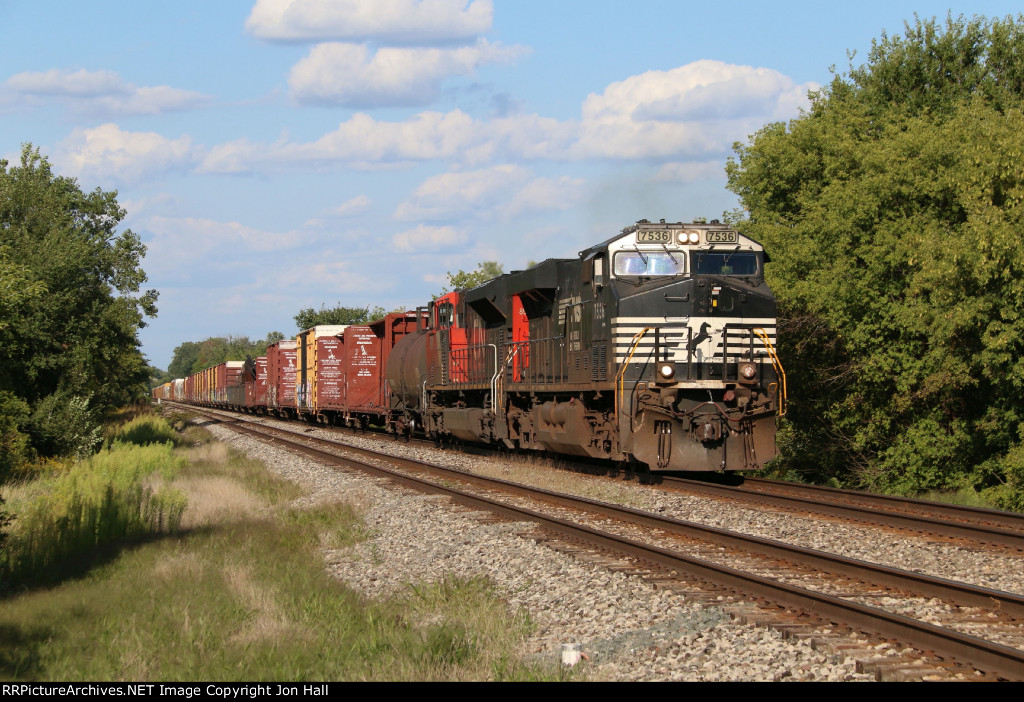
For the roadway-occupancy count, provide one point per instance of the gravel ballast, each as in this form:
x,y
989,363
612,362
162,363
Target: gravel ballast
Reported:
x,y
629,629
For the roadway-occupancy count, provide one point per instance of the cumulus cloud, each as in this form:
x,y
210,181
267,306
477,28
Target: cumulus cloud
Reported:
x,y
351,208
504,191
362,141
108,153
81,83
450,194
348,75
103,92
545,194
384,21
425,238
693,113
182,247
694,110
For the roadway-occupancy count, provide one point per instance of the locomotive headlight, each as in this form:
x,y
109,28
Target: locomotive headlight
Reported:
x,y
666,371
693,237
748,370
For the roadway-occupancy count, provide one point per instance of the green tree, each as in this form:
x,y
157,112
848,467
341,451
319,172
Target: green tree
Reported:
x,y
184,359
193,356
485,271
309,317
70,308
893,210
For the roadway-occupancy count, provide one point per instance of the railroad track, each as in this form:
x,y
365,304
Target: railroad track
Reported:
x,y
988,527
971,628
982,526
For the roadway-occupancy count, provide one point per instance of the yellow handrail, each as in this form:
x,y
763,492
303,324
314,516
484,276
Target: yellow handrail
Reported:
x,y
777,365
622,369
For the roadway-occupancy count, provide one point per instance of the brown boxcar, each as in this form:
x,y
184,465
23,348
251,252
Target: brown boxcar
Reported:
x,y
254,375
281,377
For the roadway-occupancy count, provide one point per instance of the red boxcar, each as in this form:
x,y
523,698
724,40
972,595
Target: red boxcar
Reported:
x,y
255,377
281,378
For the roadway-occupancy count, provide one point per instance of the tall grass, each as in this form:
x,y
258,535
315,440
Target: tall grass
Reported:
x,y
114,495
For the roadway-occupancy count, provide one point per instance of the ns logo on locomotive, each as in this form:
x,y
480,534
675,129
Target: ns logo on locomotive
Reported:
x,y
655,347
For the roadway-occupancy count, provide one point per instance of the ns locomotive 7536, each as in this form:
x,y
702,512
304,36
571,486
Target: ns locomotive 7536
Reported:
x,y
656,347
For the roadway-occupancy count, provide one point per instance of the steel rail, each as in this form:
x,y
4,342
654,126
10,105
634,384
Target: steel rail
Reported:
x,y
874,515
1012,521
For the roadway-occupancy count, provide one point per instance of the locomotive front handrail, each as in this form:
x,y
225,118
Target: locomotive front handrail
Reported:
x,y
777,365
622,369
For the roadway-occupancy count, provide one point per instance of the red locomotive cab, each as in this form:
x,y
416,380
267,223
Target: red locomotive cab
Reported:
x,y
450,343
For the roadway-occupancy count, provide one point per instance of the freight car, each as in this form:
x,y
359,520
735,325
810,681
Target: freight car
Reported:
x,y
656,347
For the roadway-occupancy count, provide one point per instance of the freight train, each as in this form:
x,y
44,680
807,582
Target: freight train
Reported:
x,y
655,347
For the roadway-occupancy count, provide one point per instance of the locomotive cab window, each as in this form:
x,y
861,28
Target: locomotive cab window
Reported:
x,y
722,263
649,263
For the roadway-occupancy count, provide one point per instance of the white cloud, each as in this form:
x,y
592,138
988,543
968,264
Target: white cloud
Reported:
x,y
385,21
456,194
346,74
545,194
363,142
504,191
351,208
103,92
107,153
694,110
425,238
81,83
326,277
693,113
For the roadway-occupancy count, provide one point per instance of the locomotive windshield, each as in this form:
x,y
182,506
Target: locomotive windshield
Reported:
x,y
735,263
649,263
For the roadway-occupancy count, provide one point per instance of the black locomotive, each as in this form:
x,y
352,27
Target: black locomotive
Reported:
x,y
655,347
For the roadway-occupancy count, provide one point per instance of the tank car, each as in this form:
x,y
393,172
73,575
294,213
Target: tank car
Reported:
x,y
655,347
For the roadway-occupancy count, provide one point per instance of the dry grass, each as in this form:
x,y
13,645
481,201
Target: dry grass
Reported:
x,y
266,620
217,499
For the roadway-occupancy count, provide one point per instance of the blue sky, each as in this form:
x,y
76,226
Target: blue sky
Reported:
x,y
281,154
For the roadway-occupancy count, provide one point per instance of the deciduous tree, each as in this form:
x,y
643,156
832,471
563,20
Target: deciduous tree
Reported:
x,y
308,317
485,271
70,307
893,211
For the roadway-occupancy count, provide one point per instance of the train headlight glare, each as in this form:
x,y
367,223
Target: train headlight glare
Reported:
x,y
693,237
666,371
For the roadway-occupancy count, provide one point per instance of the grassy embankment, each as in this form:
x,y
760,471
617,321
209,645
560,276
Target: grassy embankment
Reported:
x,y
169,557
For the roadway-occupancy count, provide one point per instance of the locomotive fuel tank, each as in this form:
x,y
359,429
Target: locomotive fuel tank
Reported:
x,y
406,372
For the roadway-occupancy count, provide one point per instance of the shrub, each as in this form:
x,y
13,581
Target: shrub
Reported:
x,y
105,498
145,430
